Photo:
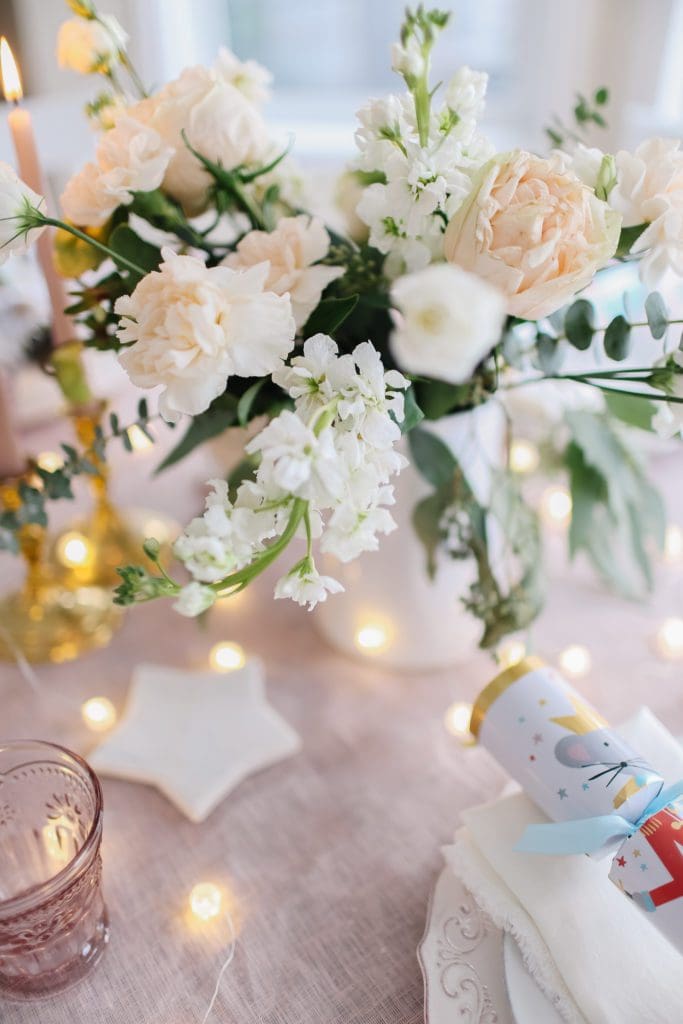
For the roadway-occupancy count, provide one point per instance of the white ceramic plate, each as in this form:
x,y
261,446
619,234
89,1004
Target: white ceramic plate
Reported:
x,y
529,1005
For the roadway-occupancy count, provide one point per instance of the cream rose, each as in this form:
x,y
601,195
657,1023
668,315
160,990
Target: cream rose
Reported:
x,y
218,121
188,328
90,45
291,250
534,230
131,157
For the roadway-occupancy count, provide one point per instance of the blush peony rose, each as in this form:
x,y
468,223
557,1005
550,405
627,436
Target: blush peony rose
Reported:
x,y
219,122
534,230
292,250
189,328
131,157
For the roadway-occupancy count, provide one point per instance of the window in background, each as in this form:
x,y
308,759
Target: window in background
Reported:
x,y
328,58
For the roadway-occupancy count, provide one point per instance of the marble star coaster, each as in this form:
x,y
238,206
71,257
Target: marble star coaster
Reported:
x,y
195,735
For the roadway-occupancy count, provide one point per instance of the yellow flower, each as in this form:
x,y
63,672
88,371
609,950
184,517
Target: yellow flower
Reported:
x,y
72,256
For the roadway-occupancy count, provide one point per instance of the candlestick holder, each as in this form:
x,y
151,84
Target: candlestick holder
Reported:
x,y
46,620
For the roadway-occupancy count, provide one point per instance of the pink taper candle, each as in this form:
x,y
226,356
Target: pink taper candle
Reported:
x,y
21,127
12,462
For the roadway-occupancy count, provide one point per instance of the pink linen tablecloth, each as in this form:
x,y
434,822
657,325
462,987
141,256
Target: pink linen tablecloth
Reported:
x,y
329,858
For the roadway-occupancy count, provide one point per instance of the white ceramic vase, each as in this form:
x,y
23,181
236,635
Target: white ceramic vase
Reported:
x,y
390,609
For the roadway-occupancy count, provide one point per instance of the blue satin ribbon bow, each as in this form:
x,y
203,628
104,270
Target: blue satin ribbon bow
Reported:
x,y
588,835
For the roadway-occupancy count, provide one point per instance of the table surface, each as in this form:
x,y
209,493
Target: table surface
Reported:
x,y
329,857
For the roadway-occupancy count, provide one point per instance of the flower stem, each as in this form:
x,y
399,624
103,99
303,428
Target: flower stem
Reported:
x,y
260,564
117,257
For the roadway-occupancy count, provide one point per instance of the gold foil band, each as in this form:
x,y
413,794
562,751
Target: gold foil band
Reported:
x,y
498,686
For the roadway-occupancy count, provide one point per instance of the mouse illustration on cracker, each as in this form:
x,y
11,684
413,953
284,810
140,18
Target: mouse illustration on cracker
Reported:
x,y
590,743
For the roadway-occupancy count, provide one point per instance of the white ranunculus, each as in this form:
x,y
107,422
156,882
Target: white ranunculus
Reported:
x,y
218,121
194,599
15,199
189,328
248,76
131,157
89,45
446,321
466,94
292,250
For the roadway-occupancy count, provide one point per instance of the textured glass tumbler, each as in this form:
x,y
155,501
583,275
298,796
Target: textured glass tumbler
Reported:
x,y
53,921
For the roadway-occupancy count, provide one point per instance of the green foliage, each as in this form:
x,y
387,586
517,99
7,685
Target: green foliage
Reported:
x,y
432,457
627,238
221,414
616,511
618,338
635,412
329,315
579,324
246,401
452,519
549,353
123,241
588,111
244,470
657,315
412,413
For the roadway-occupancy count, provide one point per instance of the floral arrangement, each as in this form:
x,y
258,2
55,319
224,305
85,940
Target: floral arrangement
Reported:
x,y
195,260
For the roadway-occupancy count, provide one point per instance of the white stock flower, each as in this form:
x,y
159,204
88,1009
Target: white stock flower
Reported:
x,y
447,321
219,122
90,45
293,251
297,461
251,78
189,328
466,95
649,190
353,526
208,556
306,586
131,157
408,59
194,599
16,198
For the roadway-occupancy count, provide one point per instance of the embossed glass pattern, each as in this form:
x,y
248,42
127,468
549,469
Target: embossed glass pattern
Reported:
x,y
53,921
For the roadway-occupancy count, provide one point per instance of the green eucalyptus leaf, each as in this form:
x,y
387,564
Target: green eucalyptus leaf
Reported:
x,y
427,516
549,353
432,457
618,338
412,413
657,315
636,412
579,324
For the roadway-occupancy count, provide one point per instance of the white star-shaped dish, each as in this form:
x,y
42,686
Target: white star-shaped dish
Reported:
x,y
195,735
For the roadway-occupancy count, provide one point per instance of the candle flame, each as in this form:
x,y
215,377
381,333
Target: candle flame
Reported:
x,y
11,79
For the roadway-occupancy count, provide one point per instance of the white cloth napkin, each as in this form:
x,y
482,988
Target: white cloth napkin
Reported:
x,y
593,953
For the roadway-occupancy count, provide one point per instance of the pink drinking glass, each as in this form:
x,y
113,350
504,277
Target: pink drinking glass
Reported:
x,y
53,921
